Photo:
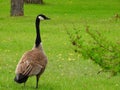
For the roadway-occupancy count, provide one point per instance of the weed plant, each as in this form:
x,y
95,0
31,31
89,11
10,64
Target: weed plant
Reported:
x,y
100,50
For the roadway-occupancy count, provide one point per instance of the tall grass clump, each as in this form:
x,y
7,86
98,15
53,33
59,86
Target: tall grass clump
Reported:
x,y
96,47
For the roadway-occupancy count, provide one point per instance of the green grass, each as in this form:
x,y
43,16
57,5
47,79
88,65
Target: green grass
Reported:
x,y
66,70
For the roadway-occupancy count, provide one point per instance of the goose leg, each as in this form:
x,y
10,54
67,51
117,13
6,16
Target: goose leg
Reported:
x,y
37,80
24,84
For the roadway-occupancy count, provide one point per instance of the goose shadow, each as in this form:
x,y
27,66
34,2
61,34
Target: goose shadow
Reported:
x,y
46,86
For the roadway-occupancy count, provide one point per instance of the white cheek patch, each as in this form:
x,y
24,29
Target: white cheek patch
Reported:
x,y
41,18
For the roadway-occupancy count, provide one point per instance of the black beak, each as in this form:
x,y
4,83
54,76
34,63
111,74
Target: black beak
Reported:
x,y
47,18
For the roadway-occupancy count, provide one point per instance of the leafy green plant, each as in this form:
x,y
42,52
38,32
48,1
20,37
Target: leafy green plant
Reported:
x,y
100,50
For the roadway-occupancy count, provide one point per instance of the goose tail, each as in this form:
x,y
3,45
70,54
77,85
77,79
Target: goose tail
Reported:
x,y
19,78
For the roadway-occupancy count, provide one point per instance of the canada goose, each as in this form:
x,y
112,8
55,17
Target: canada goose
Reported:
x,y
33,62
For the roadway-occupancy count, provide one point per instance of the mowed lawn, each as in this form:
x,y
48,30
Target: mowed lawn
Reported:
x,y
66,70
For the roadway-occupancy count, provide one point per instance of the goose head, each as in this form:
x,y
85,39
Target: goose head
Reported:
x,y
42,17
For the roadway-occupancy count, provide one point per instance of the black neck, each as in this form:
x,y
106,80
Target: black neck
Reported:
x,y
38,37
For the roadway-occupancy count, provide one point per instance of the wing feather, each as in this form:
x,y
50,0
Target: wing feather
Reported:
x,y
28,68
31,63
